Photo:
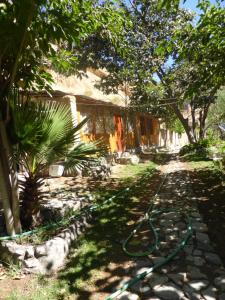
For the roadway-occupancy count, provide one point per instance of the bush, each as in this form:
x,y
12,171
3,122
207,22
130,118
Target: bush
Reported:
x,y
201,149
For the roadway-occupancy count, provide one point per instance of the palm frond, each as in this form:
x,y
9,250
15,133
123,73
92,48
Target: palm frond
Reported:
x,y
83,153
43,133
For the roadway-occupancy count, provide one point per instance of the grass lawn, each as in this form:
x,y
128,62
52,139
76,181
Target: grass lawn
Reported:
x,y
97,261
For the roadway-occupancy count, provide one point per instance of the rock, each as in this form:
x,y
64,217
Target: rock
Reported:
x,y
31,263
168,292
157,280
204,246
157,260
197,252
199,261
190,259
188,249
199,227
128,296
145,289
177,278
166,223
181,225
209,293
221,296
40,250
136,288
191,293
202,238
195,214
220,283
213,258
29,253
140,271
198,285
195,274
219,272
171,216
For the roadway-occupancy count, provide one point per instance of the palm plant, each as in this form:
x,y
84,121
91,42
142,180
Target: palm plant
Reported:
x,y
43,134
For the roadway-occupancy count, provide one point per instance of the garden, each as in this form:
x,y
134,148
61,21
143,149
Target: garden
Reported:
x,y
147,221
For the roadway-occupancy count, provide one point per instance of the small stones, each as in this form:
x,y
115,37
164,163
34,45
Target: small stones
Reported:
x,y
197,252
202,237
157,280
195,274
191,293
209,293
199,261
140,271
157,260
204,246
213,258
195,214
177,278
188,250
221,296
128,296
198,285
181,225
200,227
220,283
190,259
166,223
168,292
145,289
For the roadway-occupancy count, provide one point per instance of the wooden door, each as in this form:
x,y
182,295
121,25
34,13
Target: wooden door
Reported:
x,y
119,132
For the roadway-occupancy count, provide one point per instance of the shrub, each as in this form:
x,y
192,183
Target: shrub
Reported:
x,y
200,148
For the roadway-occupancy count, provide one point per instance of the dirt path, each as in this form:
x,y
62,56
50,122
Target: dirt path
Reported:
x,y
197,272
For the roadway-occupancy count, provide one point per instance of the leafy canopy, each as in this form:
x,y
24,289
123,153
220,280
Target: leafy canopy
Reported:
x,y
39,34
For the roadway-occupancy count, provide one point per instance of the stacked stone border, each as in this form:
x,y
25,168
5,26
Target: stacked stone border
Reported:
x,y
48,257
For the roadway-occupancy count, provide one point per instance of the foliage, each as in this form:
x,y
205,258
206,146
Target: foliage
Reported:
x,y
158,52
205,45
35,36
45,34
217,110
42,134
200,149
101,243
175,125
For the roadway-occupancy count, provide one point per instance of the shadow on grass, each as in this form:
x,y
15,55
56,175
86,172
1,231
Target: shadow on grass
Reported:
x,y
195,156
99,253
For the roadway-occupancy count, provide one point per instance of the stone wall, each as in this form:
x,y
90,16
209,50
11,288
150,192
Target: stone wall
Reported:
x,y
49,256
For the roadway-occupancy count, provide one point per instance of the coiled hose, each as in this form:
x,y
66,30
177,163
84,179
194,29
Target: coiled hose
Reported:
x,y
150,218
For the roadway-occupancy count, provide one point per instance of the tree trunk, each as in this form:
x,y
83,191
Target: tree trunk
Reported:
x,y
184,122
193,122
161,74
4,197
31,196
15,199
12,182
202,119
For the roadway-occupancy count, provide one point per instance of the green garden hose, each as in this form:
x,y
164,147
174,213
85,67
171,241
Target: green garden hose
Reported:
x,y
64,221
150,217
147,218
